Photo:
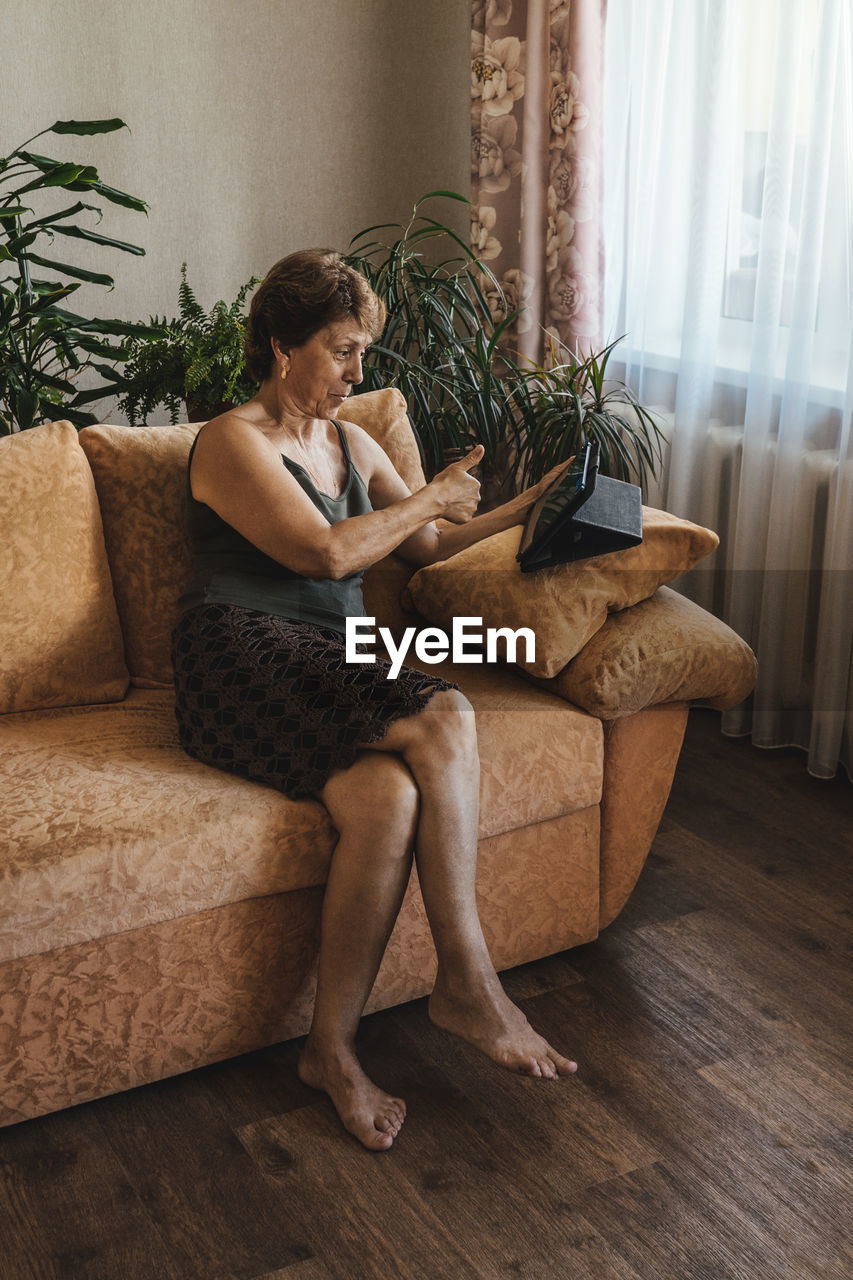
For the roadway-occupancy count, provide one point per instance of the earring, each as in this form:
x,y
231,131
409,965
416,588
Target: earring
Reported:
x,y
283,373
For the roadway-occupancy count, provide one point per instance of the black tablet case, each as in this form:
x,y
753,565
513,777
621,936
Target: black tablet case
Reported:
x,y
610,520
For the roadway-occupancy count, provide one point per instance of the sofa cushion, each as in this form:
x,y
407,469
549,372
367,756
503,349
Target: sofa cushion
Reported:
x,y
564,606
539,757
666,649
383,416
110,826
140,473
60,641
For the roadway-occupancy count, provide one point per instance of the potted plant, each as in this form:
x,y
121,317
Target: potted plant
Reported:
x,y
194,360
448,353
570,400
44,348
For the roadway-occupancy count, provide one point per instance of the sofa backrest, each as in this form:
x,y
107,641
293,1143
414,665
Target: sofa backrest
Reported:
x,y
140,475
60,640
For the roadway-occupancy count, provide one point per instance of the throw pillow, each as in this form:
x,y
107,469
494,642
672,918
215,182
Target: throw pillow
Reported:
x,y
665,649
60,641
564,606
140,473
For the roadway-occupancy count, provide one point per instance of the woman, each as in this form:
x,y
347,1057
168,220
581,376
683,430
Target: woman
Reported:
x,y
287,506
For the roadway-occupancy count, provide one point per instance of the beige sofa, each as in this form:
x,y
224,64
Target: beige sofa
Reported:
x,y
157,915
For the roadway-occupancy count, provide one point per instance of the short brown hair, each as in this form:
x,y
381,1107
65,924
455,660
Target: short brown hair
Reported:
x,y
299,296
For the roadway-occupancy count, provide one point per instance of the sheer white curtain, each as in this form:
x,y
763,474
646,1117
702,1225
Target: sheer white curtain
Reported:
x,y
729,266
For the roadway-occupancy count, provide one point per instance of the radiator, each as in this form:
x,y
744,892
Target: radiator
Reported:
x,y
721,473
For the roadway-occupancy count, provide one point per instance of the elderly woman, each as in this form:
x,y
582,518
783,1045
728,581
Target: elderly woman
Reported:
x,y
286,506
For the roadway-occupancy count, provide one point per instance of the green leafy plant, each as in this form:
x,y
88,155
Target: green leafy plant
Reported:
x,y
44,348
571,400
448,351
195,359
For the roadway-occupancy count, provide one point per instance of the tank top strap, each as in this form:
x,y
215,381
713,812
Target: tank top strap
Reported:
x,y
343,439
190,462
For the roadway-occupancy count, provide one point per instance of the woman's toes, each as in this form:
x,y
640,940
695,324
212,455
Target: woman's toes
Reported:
x,y
390,1121
565,1066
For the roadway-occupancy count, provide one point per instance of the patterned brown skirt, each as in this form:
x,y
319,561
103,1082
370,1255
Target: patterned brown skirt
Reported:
x,y
274,700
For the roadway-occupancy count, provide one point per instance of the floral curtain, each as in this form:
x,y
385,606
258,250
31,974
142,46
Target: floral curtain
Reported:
x,y
536,75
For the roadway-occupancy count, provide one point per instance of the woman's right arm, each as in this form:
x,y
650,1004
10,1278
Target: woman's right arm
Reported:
x,y
239,474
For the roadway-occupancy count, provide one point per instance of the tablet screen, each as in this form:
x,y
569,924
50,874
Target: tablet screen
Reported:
x,y
560,499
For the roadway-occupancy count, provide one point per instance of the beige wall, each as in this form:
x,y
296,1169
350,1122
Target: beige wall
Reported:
x,y
256,126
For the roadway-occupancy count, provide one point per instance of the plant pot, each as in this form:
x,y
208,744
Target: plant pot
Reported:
x,y
203,413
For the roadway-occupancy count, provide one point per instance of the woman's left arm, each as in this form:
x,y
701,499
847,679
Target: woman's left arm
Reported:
x,y
432,542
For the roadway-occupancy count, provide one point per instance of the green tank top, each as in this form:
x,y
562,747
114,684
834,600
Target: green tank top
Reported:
x,y
228,569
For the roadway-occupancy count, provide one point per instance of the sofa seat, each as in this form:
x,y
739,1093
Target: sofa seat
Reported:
x,y
111,827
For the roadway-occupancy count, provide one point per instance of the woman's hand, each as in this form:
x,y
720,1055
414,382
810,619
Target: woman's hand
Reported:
x,y
528,497
457,490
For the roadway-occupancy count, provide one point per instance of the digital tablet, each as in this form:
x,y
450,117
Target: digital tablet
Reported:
x,y
549,518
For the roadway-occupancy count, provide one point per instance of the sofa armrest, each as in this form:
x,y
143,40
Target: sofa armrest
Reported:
x,y
640,755
665,649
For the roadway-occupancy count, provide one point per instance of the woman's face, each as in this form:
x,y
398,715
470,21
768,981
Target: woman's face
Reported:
x,y
321,373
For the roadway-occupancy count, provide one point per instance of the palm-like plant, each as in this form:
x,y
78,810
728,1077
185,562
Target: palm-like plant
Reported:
x,y
569,401
440,340
44,348
448,352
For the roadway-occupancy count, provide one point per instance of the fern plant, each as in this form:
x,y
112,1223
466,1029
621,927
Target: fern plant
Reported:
x,y
195,360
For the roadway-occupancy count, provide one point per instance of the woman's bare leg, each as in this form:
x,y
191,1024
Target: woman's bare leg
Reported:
x,y
374,806
439,746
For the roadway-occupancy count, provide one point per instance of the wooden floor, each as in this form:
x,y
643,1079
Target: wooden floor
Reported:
x,y
706,1134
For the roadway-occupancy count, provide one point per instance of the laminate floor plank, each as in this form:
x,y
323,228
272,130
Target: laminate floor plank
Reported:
x,y
794,1094
661,893
566,1128
790,865
634,977
765,1192
68,1211
766,800
257,1085
550,974
490,1171
218,1217
801,1075
710,979
764,981
806,1101
808,923
308,1269
662,1228
360,1216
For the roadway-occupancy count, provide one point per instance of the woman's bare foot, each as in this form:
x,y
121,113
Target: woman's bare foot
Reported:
x,y
485,1017
374,1117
